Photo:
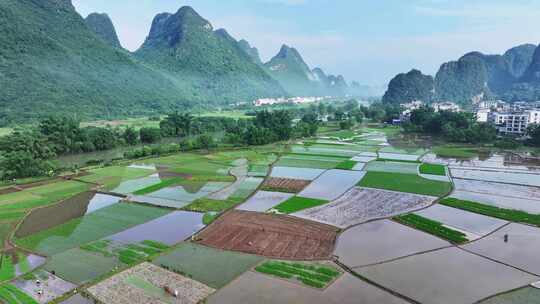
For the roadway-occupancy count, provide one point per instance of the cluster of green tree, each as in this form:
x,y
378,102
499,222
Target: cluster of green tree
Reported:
x,y
453,126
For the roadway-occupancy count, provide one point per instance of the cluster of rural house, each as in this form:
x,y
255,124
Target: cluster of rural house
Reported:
x,y
508,118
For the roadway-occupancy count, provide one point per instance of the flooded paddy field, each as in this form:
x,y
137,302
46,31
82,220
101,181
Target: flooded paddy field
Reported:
x,y
254,287
52,287
527,205
448,275
526,179
520,251
472,224
389,166
179,196
398,156
77,299
145,283
246,188
332,184
213,267
296,173
264,200
169,229
91,227
309,161
330,151
381,241
504,190
134,185
275,236
507,161
359,205
74,207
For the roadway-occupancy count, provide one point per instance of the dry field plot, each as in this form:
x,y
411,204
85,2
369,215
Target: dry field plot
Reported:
x,y
288,185
145,284
269,235
359,205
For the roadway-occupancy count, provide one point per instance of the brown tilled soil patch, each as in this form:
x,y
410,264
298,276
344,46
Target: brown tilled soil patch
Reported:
x,y
8,190
285,185
270,235
37,184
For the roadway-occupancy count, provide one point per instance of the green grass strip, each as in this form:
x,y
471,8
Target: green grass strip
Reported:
x,y
493,211
12,294
297,203
433,169
209,218
346,165
155,244
311,275
402,182
207,205
432,227
398,160
7,268
164,184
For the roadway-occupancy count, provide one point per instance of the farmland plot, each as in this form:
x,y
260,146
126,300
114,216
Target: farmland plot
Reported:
x,y
520,251
71,208
246,188
332,184
448,275
287,185
178,196
145,283
527,295
91,227
324,151
472,224
269,235
213,267
359,205
381,241
253,287
526,179
52,286
391,167
169,229
81,266
131,186
264,200
397,156
296,173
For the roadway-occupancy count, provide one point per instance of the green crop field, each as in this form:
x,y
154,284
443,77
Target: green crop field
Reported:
x,y
297,203
493,211
206,205
111,177
164,184
7,268
317,276
306,163
433,169
346,165
401,182
432,227
91,227
81,266
212,267
11,294
455,152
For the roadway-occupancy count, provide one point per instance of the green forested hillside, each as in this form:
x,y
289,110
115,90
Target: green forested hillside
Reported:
x,y
103,27
208,65
51,63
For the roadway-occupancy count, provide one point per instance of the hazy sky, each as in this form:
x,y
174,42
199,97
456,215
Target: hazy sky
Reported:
x,y
365,40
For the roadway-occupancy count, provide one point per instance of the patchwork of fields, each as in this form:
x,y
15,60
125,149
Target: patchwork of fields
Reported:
x,y
279,224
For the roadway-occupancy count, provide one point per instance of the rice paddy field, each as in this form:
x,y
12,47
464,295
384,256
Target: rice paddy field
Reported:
x,y
353,216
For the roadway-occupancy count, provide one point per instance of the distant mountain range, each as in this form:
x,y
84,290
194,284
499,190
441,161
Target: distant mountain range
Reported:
x,y
513,76
54,61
